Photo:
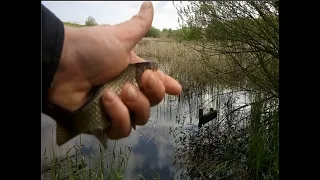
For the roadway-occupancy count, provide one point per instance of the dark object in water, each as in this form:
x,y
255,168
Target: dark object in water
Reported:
x,y
205,118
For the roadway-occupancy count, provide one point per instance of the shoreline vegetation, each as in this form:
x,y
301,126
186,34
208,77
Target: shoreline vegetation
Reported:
x,y
222,48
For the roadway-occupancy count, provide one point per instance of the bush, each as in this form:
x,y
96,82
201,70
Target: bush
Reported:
x,y
153,32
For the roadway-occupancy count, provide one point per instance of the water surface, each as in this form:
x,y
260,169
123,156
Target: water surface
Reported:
x,y
153,145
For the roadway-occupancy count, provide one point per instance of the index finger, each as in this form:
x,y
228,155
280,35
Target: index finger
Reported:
x,y
172,86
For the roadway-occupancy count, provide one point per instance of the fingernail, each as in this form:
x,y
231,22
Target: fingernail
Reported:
x,y
145,5
151,81
131,93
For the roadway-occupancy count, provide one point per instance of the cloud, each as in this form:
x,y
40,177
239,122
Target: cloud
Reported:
x,y
112,12
152,144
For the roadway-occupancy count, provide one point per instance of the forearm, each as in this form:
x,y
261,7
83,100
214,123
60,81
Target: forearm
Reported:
x,y
52,45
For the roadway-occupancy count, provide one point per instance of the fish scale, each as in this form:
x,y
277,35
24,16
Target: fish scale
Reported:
x,y
91,118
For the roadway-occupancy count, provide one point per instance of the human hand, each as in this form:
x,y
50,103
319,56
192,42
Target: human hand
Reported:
x,y
94,55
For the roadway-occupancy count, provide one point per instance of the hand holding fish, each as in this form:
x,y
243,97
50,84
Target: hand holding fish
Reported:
x,y
91,56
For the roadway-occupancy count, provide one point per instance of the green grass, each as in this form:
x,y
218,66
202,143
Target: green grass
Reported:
x,y
107,163
74,165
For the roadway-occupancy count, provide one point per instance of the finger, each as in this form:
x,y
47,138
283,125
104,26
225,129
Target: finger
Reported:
x,y
119,115
152,87
172,86
137,103
132,31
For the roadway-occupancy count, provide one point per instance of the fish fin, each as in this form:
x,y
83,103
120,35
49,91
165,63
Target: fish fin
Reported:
x,y
100,136
63,135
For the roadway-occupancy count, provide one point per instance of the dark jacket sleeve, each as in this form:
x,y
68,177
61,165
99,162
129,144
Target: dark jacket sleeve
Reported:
x,y
52,43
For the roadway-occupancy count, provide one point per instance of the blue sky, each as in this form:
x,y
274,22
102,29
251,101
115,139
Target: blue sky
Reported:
x,y
112,12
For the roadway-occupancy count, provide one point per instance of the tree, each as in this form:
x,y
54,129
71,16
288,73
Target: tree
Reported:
x,y
90,21
245,32
153,32
238,43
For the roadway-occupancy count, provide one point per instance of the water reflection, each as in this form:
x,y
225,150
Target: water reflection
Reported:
x,y
153,145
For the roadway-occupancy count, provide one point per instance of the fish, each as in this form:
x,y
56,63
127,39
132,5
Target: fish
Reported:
x,y
91,118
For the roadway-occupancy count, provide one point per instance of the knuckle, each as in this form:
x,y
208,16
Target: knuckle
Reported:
x,y
139,21
144,120
159,95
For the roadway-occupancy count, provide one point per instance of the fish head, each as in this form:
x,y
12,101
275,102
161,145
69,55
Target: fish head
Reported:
x,y
141,67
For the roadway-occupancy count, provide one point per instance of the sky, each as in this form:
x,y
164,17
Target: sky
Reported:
x,y
112,12
152,144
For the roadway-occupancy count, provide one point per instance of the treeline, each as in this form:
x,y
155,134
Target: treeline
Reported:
x,y
153,32
189,32
164,33
89,22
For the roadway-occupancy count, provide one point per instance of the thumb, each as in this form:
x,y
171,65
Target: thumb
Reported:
x,y
132,31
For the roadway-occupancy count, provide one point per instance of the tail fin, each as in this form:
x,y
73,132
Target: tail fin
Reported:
x,y
63,135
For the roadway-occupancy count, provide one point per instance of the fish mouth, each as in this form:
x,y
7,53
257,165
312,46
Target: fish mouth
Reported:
x,y
153,66
147,64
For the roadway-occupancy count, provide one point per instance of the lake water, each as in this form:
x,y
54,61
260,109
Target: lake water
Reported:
x,y
153,145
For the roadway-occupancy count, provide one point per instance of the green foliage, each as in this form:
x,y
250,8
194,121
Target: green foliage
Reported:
x,y
244,32
188,34
77,166
90,21
153,32
183,34
239,46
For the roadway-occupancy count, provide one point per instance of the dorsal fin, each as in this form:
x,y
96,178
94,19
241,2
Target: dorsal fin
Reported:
x,y
62,135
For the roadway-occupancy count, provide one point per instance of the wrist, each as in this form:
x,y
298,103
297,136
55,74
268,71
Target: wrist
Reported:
x,y
68,50
63,83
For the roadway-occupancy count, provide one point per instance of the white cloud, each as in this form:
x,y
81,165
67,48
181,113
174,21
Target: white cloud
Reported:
x,y
112,12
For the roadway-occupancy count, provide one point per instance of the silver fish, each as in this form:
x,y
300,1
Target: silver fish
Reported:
x,y
91,118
